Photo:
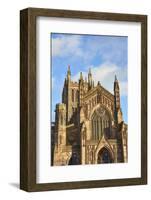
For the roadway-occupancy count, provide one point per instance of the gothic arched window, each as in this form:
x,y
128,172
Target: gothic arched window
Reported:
x,y
77,95
100,121
72,95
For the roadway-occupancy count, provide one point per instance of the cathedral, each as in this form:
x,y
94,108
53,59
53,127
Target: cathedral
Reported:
x,y
89,126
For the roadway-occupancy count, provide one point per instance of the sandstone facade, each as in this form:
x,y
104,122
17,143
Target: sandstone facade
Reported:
x,y
89,126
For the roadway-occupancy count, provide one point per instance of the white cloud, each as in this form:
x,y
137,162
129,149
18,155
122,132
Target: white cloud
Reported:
x,y
105,73
66,46
85,48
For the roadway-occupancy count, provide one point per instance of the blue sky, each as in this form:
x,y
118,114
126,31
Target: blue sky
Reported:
x,y
105,55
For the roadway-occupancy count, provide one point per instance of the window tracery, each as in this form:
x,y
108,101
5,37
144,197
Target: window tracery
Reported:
x,y
100,121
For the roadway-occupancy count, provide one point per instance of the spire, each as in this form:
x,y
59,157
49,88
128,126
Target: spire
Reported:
x,y
117,108
81,76
116,93
90,72
90,82
115,78
81,89
116,84
68,73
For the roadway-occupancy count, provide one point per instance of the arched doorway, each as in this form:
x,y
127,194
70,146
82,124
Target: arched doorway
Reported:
x,y
104,156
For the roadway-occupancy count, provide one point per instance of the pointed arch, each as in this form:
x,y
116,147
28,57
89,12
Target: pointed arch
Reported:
x,y
104,143
104,156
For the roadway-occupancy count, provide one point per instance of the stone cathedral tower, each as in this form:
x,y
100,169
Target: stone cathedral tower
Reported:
x,y
89,126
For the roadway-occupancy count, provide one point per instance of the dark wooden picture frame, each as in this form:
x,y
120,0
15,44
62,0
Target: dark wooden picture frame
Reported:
x,y
28,98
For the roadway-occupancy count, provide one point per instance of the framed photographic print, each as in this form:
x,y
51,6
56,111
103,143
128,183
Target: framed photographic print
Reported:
x,y
83,99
